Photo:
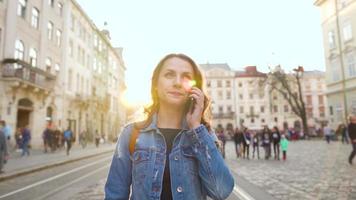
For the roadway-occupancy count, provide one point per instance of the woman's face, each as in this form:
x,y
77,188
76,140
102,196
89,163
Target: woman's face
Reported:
x,y
173,80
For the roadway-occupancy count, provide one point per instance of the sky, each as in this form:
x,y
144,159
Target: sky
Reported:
x,y
237,32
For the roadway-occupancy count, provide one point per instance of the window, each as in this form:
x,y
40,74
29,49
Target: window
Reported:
x,y
241,109
208,83
35,17
322,111
286,108
228,95
50,30
331,39
51,3
276,119
33,57
221,109
19,50
219,83
57,67
95,40
331,110
241,96
321,99
275,109
262,109
94,64
309,100
72,22
335,70
60,8
220,94
70,80
262,120
48,64
21,8
58,37
347,31
228,84
252,110
275,98
240,84
229,109
251,96
71,48
351,64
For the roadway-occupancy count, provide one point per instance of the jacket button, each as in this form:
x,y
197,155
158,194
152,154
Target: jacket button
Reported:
x,y
175,157
179,189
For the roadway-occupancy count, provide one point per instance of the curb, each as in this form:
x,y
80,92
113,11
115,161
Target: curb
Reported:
x,y
50,165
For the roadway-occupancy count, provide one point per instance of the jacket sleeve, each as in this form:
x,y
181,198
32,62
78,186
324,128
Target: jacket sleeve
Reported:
x,y
119,178
213,171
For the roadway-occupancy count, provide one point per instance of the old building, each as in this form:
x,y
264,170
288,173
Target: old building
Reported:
x,y
338,21
57,66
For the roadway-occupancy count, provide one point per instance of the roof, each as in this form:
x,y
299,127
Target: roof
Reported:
x,y
209,66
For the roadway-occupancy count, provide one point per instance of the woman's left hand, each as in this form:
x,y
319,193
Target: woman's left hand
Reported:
x,y
194,116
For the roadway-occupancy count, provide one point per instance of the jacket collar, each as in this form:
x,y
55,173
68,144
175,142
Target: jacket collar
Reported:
x,y
153,124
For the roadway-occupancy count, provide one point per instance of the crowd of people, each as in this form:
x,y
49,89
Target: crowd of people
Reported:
x,y
268,139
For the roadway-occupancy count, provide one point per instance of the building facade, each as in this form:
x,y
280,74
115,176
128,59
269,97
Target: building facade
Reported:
x,y
248,102
338,19
58,67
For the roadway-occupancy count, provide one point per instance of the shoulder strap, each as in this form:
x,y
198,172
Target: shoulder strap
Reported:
x,y
133,137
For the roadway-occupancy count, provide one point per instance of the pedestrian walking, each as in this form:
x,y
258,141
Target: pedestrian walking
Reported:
x,y
327,132
18,139
68,136
266,142
3,149
342,130
6,129
173,152
284,146
97,138
46,139
255,145
352,135
246,143
26,138
221,136
238,137
276,137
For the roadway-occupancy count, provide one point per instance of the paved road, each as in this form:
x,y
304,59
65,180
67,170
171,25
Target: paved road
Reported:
x,y
313,170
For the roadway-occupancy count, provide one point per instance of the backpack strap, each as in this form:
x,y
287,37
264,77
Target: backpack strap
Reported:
x,y
134,135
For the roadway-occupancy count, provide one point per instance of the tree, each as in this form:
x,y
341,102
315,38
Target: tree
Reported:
x,y
289,86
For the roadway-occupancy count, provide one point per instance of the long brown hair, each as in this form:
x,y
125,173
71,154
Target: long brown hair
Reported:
x,y
198,77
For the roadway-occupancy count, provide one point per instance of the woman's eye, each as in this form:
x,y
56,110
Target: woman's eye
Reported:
x,y
169,75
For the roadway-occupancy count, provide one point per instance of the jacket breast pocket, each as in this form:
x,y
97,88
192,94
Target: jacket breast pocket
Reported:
x,y
189,161
140,166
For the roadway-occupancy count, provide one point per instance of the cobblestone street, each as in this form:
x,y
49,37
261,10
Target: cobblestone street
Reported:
x,y
313,170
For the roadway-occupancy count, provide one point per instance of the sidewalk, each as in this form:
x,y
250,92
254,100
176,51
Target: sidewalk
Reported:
x,y
38,160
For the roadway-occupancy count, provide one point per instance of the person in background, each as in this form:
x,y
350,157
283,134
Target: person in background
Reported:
x,y
327,133
352,135
266,142
174,155
255,144
68,136
284,146
276,137
238,137
246,143
26,138
97,138
3,149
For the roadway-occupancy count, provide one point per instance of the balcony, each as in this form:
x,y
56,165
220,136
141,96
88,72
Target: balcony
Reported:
x,y
18,70
229,115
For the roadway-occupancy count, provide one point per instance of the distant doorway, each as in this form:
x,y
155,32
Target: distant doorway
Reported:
x,y
24,109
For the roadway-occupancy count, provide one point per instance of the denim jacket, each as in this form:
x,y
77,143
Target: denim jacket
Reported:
x,y
197,168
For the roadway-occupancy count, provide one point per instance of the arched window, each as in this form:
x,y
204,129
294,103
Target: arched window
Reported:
x,y
19,50
48,64
50,30
33,57
21,8
35,17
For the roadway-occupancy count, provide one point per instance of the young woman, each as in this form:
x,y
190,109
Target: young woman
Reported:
x,y
175,154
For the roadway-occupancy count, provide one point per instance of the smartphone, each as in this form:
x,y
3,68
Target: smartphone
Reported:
x,y
190,105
